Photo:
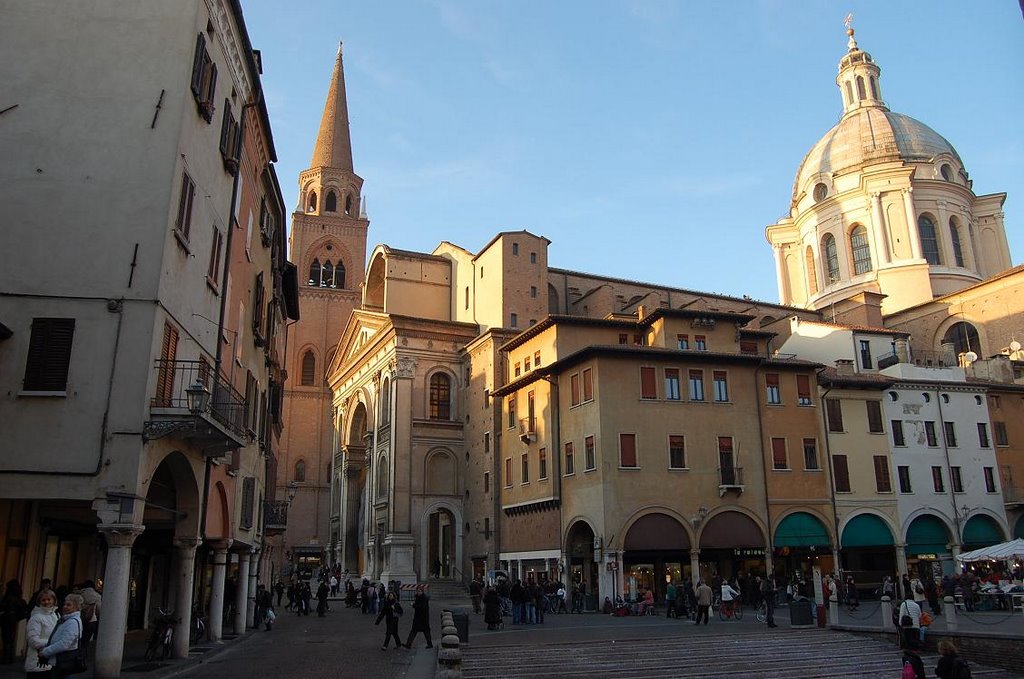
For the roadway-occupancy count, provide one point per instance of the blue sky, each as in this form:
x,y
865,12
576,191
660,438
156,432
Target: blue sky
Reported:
x,y
647,139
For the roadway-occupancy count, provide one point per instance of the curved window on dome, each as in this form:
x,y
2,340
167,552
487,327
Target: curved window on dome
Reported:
x,y
831,253
964,337
861,94
929,240
874,87
331,203
861,250
314,273
820,192
954,235
947,172
812,274
849,92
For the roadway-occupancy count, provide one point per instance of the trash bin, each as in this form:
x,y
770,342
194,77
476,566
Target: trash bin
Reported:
x,y
460,616
801,613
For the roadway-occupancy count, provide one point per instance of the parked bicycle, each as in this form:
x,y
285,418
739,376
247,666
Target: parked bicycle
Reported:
x,y
761,614
160,638
198,630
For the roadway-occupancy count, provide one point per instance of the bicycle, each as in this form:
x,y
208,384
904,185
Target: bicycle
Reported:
x,y
161,637
761,614
198,626
731,609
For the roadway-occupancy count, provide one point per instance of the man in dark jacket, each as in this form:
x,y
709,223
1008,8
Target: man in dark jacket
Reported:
x,y
475,592
420,618
768,596
518,596
322,592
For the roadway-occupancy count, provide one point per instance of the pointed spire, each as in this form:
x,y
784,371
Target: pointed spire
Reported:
x,y
333,143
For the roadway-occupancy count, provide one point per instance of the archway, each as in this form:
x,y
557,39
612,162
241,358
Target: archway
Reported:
x,y
355,510
981,531
581,566
927,544
656,552
731,544
441,556
1018,531
802,543
867,549
964,337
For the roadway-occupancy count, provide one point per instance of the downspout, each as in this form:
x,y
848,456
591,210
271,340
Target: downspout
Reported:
x,y
832,476
769,548
949,473
556,458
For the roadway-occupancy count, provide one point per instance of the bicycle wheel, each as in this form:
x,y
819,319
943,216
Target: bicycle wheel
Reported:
x,y
723,612
737,611
762,613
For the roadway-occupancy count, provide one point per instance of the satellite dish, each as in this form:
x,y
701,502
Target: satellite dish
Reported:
x,y
970,357
1014,346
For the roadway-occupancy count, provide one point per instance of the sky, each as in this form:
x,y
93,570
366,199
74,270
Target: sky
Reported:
x,y
649,140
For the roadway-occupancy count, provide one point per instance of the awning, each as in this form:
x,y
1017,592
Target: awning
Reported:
x,y
801,530
731,530
982,531
656,532
927,535
866,530
1014,549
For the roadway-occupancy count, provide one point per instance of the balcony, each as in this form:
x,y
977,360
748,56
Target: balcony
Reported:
x,y
1013,496
528,429
194,405
935,359
730,479
275,516
887,360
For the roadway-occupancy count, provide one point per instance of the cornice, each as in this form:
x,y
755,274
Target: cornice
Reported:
x,y
221,16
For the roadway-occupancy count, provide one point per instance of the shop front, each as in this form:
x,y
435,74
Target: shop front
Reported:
x,y
656,552
731,545
981,531
802,544
867,551
927,547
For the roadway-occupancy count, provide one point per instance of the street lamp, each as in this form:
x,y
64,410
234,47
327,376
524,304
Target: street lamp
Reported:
x,y
293,488
198,398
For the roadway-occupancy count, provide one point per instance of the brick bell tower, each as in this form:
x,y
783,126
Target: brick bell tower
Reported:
x,y
328,245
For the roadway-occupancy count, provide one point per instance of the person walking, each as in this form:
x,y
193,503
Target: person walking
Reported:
x,y
65,638
279,590
909,618
322,592
539,601
91,603
12,611
420,618
767,592
852,598
704,595
670,600
492,608
475,593
390,612
951,663
41,621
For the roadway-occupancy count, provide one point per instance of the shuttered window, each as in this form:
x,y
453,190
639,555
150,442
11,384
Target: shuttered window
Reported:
x,y
842,473
258,294
588,385
676,452
773,393
230,139
165,376
574,389
648,390
883,483
248,498
308,369
570,464
803,390
779,454
204,79
49,354
627,450
183,221
834,408
874,416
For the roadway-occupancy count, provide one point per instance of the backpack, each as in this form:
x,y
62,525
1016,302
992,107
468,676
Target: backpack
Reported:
x,y
961,670
908,671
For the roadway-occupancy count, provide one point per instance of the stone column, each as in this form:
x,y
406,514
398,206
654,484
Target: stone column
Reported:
x,y
886,608
116,577
946,256
694,566
949,609
882,251
184,577
220,566
241,592
250,598
780,273
915,237
901,559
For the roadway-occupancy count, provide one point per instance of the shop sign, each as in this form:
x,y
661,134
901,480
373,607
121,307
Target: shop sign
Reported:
x,y
930,557
748,552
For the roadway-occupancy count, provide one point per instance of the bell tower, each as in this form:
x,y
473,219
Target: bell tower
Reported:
x,y
328,245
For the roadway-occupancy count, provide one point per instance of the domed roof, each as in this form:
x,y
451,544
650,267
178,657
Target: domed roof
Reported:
x,y
871,135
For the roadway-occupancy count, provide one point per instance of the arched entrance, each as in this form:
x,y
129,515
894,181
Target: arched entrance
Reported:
x,y
981,531
579,553
354,498
731,544
441,558
927,545
802,544
867,549
657,551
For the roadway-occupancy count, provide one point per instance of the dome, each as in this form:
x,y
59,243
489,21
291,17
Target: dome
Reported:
x,y
871,135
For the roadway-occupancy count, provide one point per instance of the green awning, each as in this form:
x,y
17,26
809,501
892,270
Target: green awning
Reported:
x,y
801,530
927,535
981,531
1018,532
866,530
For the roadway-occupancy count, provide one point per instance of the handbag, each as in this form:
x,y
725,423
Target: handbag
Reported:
x,y
73,661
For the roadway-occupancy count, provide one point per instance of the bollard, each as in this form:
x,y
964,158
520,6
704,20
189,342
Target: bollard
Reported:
x,y
833,610
950,610
450,641
886,613
449,657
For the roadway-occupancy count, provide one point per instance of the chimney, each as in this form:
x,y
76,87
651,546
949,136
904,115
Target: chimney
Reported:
x,y
844,366
902,349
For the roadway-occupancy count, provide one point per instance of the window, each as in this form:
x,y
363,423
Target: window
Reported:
x,y
183,222
515,249
812,273
331,202
230,139
721,380
696,385
589,456
956,480
672,384
466,297
954,235
946,173
268,221
259,293
252,390
937,482
874,416
748,348
536,359
533,258
676,452
300,472
526,364
648,390
811,455
1000,431
49,356
828,246
574,389
834,410
883,484
903,472
865,354
165,376
841,470
950,429
820,192
700,342
683,341
514,320
990,480
518,370
861,250
728,474
542,472
929,434
511,411
487,441
213,270
385,403
983,440
508,472
204,79
487,482
524,467
897,433
440,397
861,94
929,241
308,369
874,87
849,92
588,385
627,450
570,468
773,393
803,390
533,291
623,338
779,460
531,410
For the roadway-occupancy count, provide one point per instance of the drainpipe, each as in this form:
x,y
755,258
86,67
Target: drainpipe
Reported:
x,y
832,476
949,473
769,547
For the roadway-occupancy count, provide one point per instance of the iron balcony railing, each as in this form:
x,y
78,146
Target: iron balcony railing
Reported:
x,y
174,377
730,476
887,360
934,359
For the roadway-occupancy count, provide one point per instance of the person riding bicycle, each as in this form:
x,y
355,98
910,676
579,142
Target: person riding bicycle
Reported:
x,y
729,595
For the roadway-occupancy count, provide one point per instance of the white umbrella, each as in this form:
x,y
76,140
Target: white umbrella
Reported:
x,y
1000,552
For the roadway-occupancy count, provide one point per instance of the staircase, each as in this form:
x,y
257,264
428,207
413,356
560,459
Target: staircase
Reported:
x,y
447,590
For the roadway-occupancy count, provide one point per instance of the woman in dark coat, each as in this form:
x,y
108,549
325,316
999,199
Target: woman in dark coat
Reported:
x,y
322,592
420,618
13,609
390,611
492,608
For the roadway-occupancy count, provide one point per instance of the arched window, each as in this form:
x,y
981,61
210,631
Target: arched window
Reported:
x,y
331,204
339,274
440,397
874,88
348,204
308,368
327,275
311,203
382,477
385,402
300,472
954,234
929,241
946,172
828,248
964,337
820,192
314,273
861,250
812,274
861,94
849,92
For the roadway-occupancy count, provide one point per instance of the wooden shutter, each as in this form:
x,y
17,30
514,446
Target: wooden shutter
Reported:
x,y
779,454
882,481
574,389
842,473
803,387
197,65
588,384
165,376
835,414
874,416
257,305
627,450
647,387
49,354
